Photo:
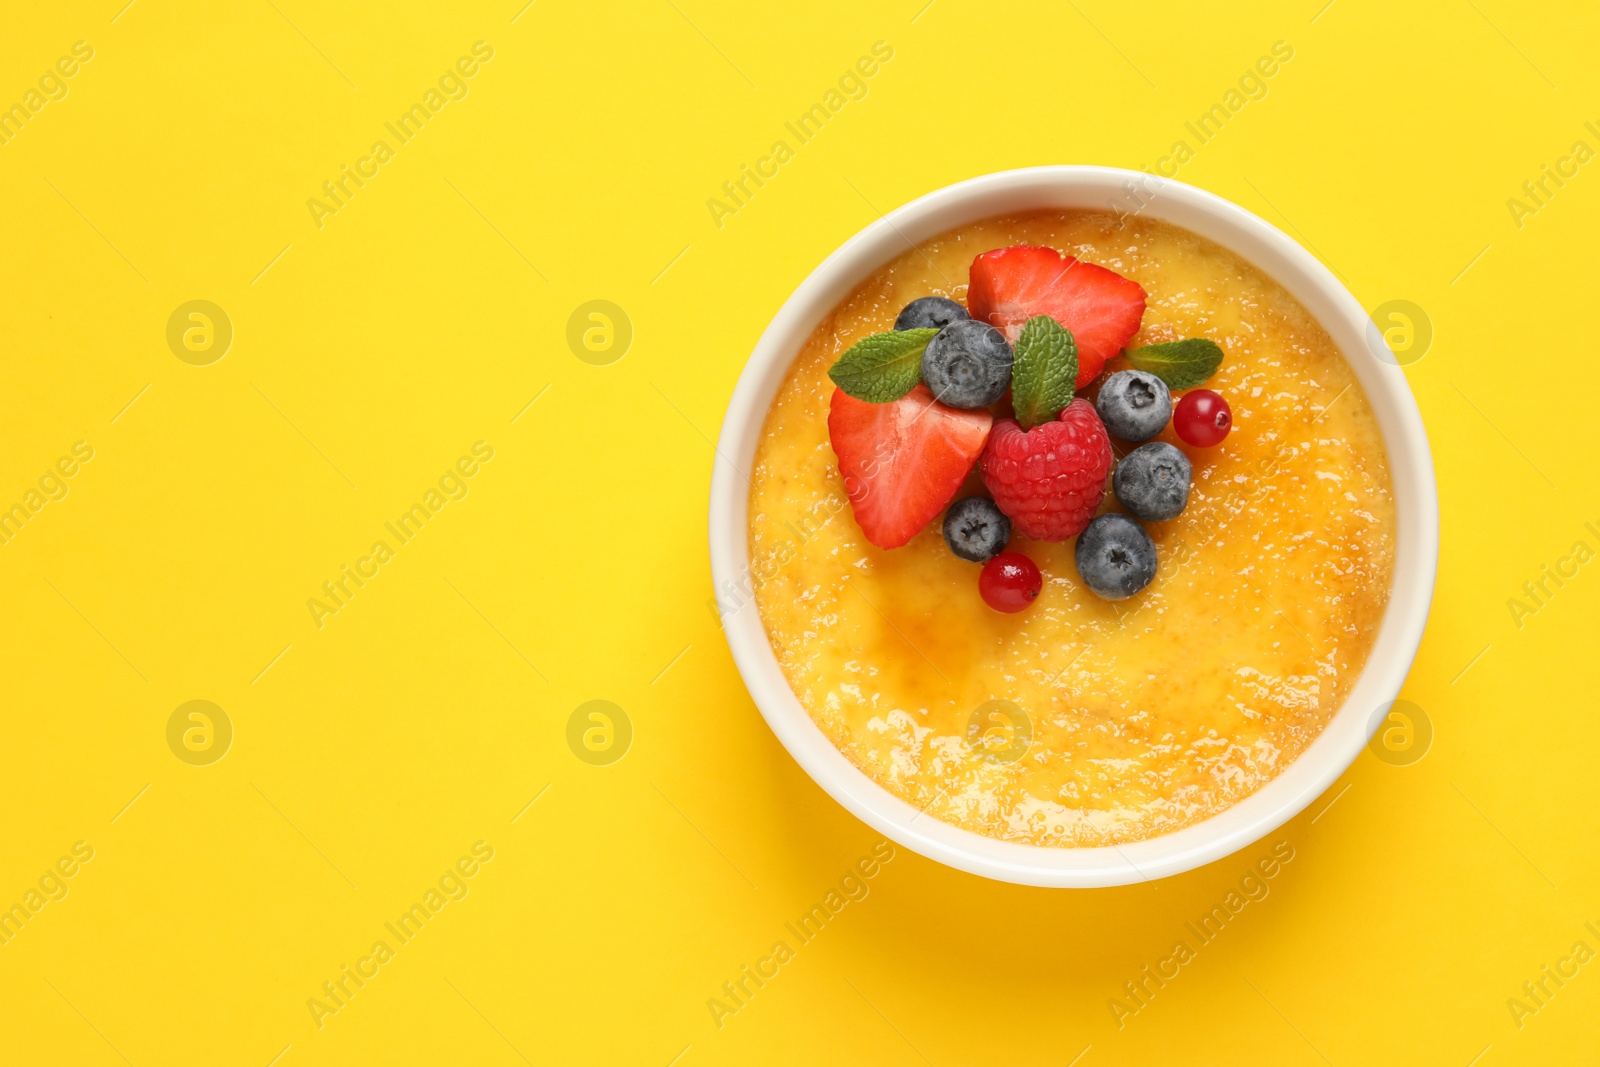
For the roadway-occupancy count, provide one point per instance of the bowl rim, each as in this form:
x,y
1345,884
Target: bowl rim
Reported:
x,y
1283,259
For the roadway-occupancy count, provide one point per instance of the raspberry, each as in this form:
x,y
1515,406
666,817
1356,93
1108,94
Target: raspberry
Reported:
x,y
1049,480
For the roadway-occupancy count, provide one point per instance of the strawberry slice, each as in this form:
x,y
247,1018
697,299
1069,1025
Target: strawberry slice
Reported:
x,y
1101,307
903,461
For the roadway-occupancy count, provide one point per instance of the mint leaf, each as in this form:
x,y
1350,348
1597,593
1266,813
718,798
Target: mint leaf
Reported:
x,y
883,367
1045,372
1181,364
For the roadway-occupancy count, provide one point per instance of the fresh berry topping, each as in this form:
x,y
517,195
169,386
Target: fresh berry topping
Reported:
x,y
1202,418
1134,405
1181,364
967,364
1043,373
975,529
930,311
1049,480
1152,481
902,461
1115,557
882,367
1010,582
1100,307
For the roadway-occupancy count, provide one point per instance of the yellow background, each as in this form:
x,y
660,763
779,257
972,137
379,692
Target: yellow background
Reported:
x,y
424,316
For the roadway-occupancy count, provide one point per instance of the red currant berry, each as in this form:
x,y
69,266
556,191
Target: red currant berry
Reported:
x,y
1202,418
1010,582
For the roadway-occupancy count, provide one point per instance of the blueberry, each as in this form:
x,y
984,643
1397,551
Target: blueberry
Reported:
x,y
975,529
1115,557
1152,481
1134,405
967,364
930,312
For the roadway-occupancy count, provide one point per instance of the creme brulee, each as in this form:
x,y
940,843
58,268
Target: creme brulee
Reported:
x,y
1081,721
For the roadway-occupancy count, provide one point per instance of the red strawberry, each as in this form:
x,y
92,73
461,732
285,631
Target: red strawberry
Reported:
x,y
903,461
1101,307
1049,480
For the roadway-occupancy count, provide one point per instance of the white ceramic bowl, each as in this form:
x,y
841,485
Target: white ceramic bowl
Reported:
x,y
1410,463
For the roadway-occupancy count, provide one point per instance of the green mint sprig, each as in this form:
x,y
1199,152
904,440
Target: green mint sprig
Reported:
x,y
1045,372
883,367
1181,364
